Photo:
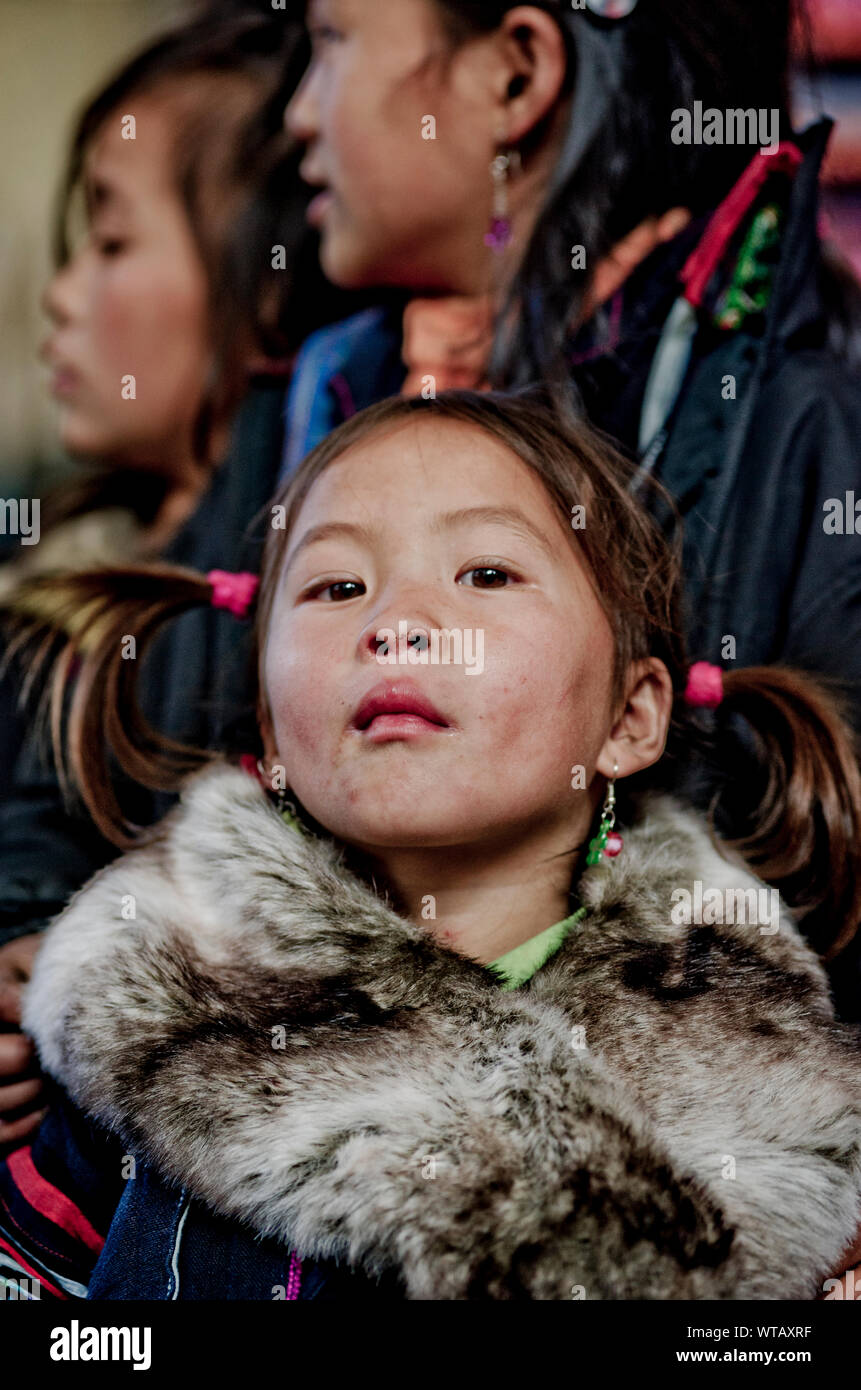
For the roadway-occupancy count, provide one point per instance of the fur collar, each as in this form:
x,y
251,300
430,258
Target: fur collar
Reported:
x,y
665,1110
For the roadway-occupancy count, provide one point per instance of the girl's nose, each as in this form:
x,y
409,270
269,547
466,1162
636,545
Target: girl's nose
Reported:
x,y
58,296
400,624
388,643
300,114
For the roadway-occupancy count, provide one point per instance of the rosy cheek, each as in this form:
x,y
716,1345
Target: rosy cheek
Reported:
x,y
114,324
505,711
297,689
547,692
519,670
300,729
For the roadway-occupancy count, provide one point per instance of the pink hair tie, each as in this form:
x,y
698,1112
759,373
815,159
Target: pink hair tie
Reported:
x,y
705,685
235,592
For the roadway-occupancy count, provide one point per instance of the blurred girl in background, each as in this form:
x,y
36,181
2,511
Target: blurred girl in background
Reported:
x,y
152,348
149,355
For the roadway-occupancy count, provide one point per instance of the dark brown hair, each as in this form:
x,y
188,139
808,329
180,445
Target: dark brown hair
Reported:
x,y
618,164
802,828
223,78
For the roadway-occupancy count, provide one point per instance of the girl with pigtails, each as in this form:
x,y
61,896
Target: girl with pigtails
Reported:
x,y
425,929
502,185
569,194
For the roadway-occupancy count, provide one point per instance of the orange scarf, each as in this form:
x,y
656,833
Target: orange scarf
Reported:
x,y
448,339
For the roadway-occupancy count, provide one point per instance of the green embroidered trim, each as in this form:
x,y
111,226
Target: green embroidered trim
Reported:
x,y
749,291
521,963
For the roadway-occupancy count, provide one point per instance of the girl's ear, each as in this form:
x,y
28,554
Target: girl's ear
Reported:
x,y
639,735
534,66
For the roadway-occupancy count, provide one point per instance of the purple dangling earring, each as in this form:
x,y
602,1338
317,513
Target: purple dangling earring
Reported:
x,y
498,236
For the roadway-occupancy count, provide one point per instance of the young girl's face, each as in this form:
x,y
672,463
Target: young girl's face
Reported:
x,y
398,208
436,526
131,303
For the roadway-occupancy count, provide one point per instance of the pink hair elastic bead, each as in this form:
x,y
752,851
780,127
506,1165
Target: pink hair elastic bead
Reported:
x,y
235,592
705,685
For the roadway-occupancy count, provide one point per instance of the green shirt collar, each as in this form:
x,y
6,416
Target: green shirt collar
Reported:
x,y
520,964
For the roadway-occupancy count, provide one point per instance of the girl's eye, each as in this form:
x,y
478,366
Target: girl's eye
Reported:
x,y
322,34
486,577
338,590
110,246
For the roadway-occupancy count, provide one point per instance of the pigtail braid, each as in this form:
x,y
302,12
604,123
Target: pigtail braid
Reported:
x,y
73,633
805,833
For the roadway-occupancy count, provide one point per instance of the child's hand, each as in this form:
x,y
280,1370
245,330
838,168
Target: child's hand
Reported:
x,y
20,1086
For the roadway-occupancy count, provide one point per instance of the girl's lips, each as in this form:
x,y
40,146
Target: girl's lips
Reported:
x,y
397,710
64,379
386,728
64,382
318,207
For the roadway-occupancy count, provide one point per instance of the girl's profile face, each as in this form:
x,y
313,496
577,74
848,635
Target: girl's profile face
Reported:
x,y
397,207
132,302
435,526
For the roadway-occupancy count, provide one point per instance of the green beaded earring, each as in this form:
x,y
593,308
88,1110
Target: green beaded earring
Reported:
x,y
608,841
285,808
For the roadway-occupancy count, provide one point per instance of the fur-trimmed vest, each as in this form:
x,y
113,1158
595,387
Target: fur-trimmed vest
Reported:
x,y
664,1111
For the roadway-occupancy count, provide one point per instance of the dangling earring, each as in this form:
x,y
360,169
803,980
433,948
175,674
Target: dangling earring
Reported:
x,y
498,235
283,805
608,841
